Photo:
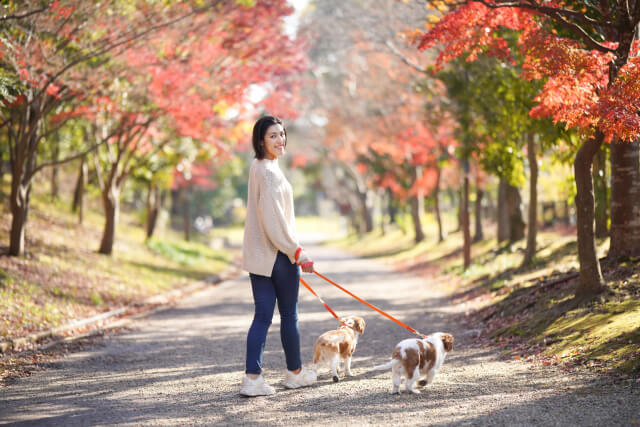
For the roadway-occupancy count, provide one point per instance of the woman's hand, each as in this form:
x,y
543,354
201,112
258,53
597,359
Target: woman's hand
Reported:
x,y
304,261
307,267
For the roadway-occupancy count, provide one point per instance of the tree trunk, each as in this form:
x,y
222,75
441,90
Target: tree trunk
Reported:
x,y
54,172
78,193
365,212
532,228
19,204
383,206
479,235
353,222
460,203
436,197
393,209
186,212
20,195
625,200
466,228
503,212
601,193
22,165
2,159
514,208
111,203
591,281
420,193
415,216
153,207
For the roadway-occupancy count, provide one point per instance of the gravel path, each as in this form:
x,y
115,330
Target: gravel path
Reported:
x,y
183,366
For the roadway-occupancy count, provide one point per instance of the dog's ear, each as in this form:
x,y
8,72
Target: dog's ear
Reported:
x,y
447,340
359,325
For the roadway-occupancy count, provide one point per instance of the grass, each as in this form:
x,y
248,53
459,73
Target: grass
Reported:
x,y
188,254
61,277
532,309
602,335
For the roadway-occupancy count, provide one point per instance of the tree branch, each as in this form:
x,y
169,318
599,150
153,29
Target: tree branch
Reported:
x,y
75,156
17,16
126,167
117,44
68,159
628,10
144,160
566,13
636,14
403,58
560,16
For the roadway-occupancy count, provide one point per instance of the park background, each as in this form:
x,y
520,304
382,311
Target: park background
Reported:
x,y
494,147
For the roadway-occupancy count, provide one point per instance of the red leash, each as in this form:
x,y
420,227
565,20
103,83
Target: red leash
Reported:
x,y
407,327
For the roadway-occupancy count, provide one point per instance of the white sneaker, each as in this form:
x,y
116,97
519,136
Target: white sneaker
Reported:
x,y
256,387
303,378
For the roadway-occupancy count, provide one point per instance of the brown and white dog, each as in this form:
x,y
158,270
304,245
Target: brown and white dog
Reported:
x,y
414,359
339,344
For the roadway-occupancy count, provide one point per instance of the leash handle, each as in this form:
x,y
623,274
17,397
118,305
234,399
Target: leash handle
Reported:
x,y
407,327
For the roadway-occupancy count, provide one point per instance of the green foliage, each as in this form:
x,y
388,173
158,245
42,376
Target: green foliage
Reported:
x,y
492,103
190,254
67,141
556,181
10,86
231,177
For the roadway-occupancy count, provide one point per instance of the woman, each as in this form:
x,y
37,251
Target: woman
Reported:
x,y
271,254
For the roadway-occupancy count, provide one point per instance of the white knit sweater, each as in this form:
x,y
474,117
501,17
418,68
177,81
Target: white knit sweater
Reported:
x,y
270,223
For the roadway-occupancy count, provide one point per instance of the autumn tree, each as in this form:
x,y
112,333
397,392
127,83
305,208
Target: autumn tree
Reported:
x,y
51,51
493,103
69,51
585,53
185,81
359,84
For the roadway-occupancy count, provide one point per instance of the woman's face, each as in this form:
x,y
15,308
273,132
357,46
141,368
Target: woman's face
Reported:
x,y
274,141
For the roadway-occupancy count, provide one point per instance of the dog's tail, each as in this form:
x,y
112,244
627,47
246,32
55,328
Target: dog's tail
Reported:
x,y
387,365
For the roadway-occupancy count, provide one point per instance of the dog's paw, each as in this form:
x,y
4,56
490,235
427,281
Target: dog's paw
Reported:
x,y
335,379
350,374
395,391
414,391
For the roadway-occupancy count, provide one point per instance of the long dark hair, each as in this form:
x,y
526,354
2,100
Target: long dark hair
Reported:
x,y
260,130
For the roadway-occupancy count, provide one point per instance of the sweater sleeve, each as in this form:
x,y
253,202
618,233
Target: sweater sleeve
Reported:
x,y
272,216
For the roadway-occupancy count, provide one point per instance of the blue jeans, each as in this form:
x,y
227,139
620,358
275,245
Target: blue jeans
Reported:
x,y
283,287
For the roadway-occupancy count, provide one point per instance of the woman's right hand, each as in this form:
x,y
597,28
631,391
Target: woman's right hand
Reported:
x,y
304,261
307,267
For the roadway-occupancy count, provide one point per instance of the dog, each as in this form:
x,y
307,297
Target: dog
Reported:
x,y
339,344
418,360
